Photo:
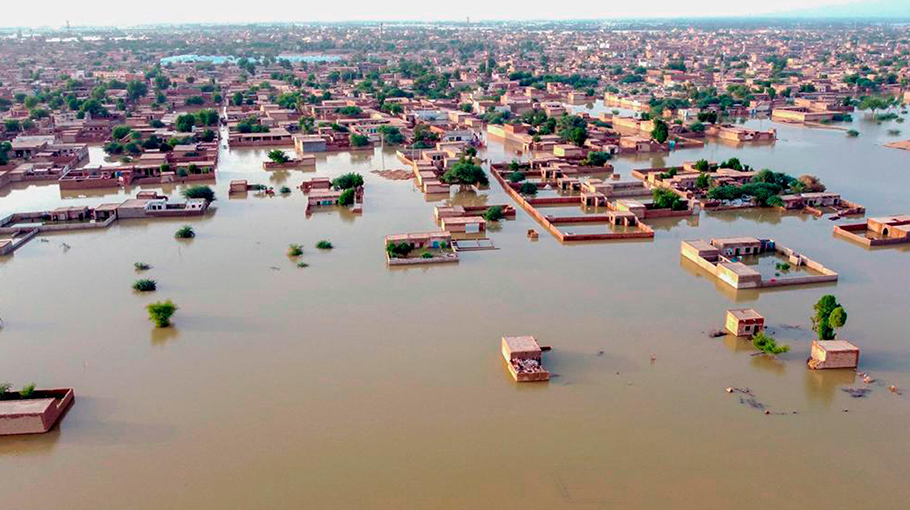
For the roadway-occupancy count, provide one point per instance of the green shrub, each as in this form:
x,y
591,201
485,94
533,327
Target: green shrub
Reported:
x,y
295,250
465,173
346,198
145,285
4,390
768,345
596,158
853,133
516,177
426,255
185,232
324,245
27,391
203,192
278,156
666,199
302,264
528,188
347,181
284,190
398,250
141,266
160,313
494,213
359,140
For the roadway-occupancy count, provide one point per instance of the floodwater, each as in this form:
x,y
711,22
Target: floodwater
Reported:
x,y
349,385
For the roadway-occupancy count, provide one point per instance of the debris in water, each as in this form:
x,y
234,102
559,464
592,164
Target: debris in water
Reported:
x,y
868,380
716,333
857,392
394,175
894,389
748,398
600,353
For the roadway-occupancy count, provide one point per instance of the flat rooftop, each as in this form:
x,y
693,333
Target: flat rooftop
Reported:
x,y
527,344
21,407
745,314
837,346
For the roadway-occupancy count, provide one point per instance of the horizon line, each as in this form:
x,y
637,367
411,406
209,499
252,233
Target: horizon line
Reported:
x,y
770,17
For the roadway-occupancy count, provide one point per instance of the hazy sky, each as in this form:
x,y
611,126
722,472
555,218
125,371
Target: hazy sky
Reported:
x,y
120,13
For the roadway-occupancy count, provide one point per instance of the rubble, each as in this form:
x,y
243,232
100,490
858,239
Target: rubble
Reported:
x,y
857,392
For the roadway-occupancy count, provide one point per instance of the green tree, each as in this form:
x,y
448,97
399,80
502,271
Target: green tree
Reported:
x,y
346,198
661,131
186,122
829,315
516,176
120,131
573,129
596,158
494,213
347,181
528,188
391,135
465,173
203,192
278,156
666,199
359,140
136,89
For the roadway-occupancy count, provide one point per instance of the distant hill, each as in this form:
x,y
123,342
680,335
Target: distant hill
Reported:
x,y
878,9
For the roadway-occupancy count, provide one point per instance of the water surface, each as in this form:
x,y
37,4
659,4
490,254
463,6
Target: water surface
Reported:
x,y
349,385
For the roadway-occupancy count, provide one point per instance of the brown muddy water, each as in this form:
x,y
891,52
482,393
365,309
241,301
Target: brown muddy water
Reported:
x,y
349,385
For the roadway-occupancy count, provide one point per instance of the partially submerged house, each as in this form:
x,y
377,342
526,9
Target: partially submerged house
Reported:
x,y
833,354
523,358
744,322
722,259
35,414
880,231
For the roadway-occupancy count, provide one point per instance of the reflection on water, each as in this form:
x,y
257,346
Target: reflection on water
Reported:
x,y
349,384
823,385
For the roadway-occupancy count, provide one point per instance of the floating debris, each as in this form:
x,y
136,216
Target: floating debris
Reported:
x,y
857,392
749,398
65,246
394,175
894,389
715,333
